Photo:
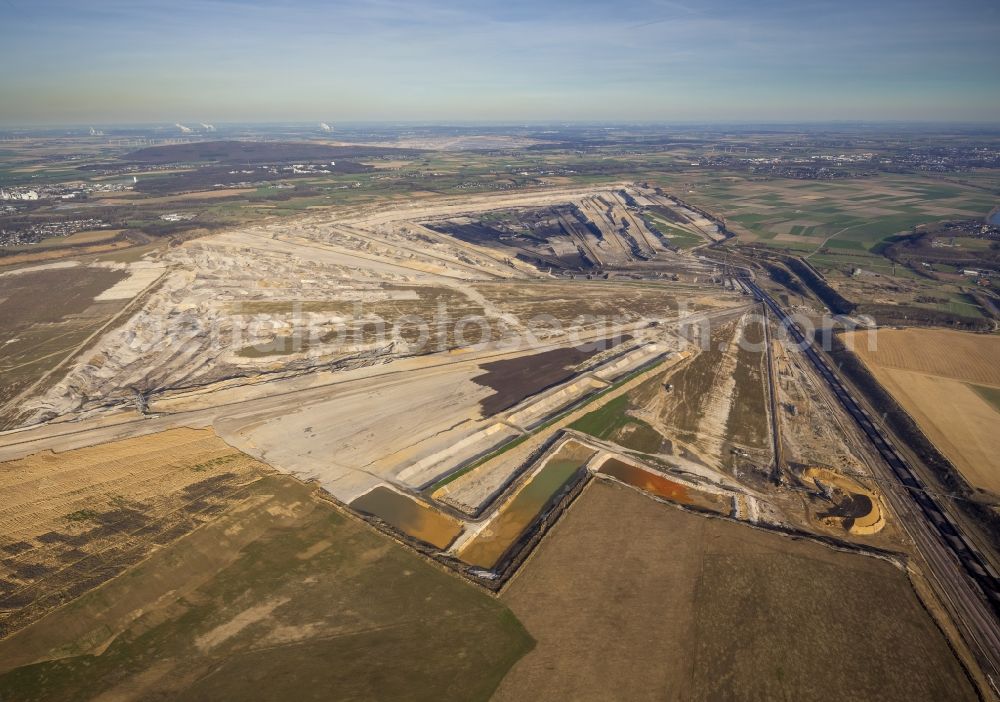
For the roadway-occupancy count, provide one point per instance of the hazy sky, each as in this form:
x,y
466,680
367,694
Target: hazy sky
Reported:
x,y
227,60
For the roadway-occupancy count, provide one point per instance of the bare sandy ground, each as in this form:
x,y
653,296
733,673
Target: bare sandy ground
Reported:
x,y
324,413
187,333
353,441
141,276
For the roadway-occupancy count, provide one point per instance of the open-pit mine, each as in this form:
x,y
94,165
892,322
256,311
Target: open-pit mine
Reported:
x,y
411,390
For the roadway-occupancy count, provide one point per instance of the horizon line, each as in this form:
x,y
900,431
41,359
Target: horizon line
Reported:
x,y
505,123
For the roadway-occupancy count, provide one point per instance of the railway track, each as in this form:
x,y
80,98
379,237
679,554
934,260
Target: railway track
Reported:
x,y
967,583
772,396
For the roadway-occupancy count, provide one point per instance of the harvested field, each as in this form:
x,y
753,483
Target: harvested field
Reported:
x,y
53,254
972,358
929,372
632,599
90,236
991,395
955,418
27,298
74,520
280,595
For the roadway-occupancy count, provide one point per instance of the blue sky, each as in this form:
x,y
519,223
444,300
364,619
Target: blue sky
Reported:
x,y
429,60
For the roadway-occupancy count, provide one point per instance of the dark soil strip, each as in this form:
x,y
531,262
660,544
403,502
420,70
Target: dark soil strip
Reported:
x,y
515,379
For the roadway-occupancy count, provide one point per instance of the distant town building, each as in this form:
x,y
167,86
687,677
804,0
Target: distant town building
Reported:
x,y
18,195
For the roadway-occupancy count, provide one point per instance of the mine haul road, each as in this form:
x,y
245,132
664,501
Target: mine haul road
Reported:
x,y
965,582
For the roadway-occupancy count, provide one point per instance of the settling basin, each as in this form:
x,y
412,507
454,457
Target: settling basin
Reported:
x,y
409,516
655,484
543,490
646,480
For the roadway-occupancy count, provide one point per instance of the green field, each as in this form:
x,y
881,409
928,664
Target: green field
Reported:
x,y
281,597
677,236
611,422
991,395
842,215
957,304
846,262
